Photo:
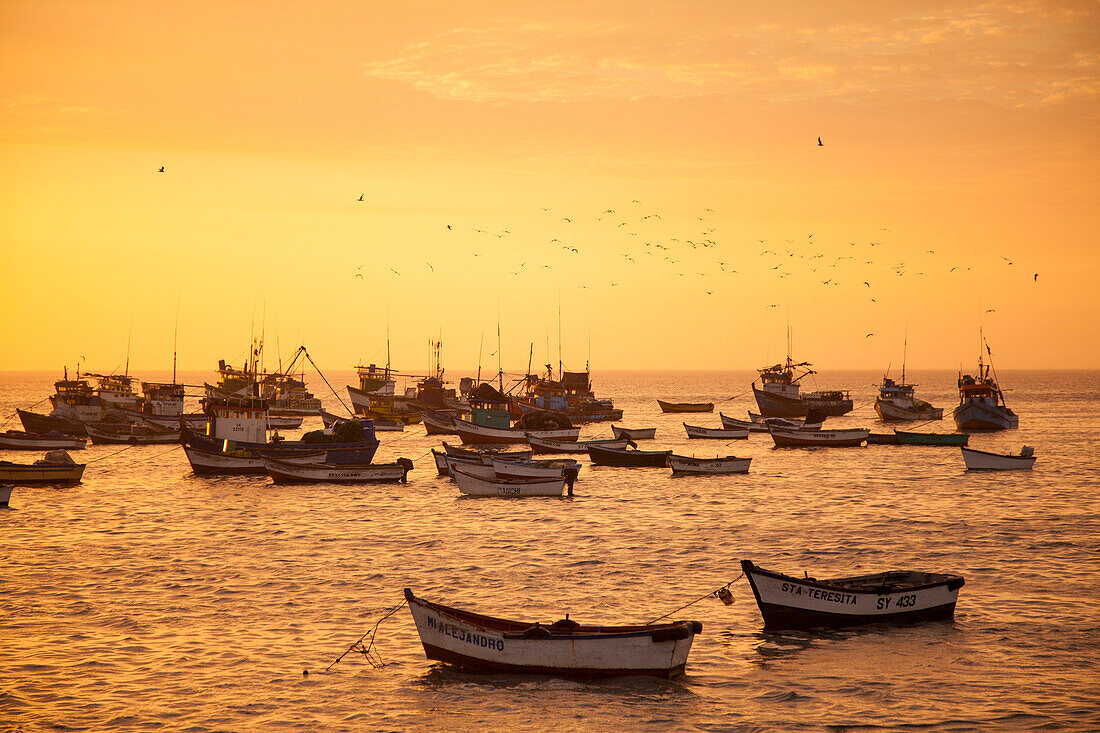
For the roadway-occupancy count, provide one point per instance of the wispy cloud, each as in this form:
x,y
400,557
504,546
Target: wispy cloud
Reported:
x,y
1016,54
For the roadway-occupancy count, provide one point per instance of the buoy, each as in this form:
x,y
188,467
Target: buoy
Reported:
x,y
305,672
725,596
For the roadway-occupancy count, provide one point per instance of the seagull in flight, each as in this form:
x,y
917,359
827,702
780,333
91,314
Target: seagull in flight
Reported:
x,y
429,264
360,195
991,310
1036,277
448,226
161,169
819,143
868,335
395,272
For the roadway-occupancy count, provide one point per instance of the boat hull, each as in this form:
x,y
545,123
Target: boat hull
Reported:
x,y
686,406
684,466
5,495
477,486
788,602
239,463
133,435
806,438
633,433
438,424
16,440
891,412
470,433
732,423
948,439
34,422
977,416
978,460
283,472
773,405
695,432
541,445
603,456
18,474
484,644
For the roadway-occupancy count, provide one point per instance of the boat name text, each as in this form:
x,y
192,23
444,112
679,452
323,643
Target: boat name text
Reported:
x,y
463,635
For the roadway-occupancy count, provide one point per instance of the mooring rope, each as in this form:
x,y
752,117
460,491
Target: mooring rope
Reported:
x,y
16,413
716,593
368,651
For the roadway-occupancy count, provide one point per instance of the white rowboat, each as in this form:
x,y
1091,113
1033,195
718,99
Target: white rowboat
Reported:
x,y
684,466
807,438
286,472
622,433
477,486
980,460
694,431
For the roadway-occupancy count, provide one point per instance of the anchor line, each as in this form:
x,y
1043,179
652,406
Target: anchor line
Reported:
x,y
368,651
36,404
712,594
742,394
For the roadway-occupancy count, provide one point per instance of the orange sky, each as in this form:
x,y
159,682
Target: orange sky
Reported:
x,y
970,130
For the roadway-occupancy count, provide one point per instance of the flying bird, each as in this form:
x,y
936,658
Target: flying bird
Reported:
x,y
1036,277
774,305
819,143
360,195
991,310
395,272
868,335
161,169
358,275
448,226
566,218
429,264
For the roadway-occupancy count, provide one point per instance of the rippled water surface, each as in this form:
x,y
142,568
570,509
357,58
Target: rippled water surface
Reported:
x,y
150,599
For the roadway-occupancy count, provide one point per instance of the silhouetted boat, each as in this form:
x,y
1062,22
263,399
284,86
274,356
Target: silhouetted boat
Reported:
x,y
627,457
896,596
57,468
490,421
438,423
633,433
907,438
882,439
694,431
779,393
686,406
809,438
479,453
19,440
980,460
732,423
812,421
104,433
982,403
895,403
34,422
565,647
685,466
5,494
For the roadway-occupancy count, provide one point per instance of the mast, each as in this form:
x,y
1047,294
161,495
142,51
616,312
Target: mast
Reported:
x,y
479,349
128,338
175,341
560,375
500,369
904,351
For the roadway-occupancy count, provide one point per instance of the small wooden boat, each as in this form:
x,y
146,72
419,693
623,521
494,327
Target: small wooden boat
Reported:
x,y
907,438
627,457
542,445
732,423
5,494
34,422
461,452
684,466
509,468
882,439
56,468
480,486
787,422
897,596
469,432
809,438
19,440
686,406
980,460
287,472
694,432
274,422
205,462
330,420
130,434
567,648
633,433
438,423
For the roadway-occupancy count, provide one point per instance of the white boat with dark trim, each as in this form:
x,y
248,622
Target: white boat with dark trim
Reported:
x,y
980,460
438,423
545,445
732,423
694,432
56,440
813,421
896,596
982,403
238,461
507,468
809,438
566,648
622,433
473,485
105,433
288,472
685,466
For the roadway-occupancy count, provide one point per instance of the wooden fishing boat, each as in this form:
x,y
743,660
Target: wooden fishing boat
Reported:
x,y
982,404
564,648
438,423
808,438
130,434
5,494
543,445
462,452
896,403
896,596
19,440
980,460
779,393
475,434
633,433
34,422
686,406
510,468
53,470
882,439
287,472
194,421
908,438
685,466
627,457
207,462
732,423
696,432
330,420
478,486
814,422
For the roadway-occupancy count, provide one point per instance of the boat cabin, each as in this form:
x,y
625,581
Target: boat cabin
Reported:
x,y
375,379
489,408
981,389
161,398
891,390
76,395
236,418
780,379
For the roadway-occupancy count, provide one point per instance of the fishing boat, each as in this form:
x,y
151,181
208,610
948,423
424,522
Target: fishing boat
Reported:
x,y
545,445
57,468
882,439
373,380
695,432
73,399
438,423
908,438
56,440
896,596
686,406
982,403
472,485
510,468
627,457
115,392
566,648
237,461
980,460
5,494
481,452
896,403
814,421
732,423
621,433
289,472
809,438
779,394
107,433
490,421
34,422
685,466
330,420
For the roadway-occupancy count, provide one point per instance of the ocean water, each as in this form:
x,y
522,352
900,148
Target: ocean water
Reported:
x,y
147,598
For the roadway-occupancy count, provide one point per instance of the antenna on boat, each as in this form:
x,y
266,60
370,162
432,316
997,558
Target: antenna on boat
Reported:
x,y
128,338
995,377
175,339
480,347
500,369
904,351
559,335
